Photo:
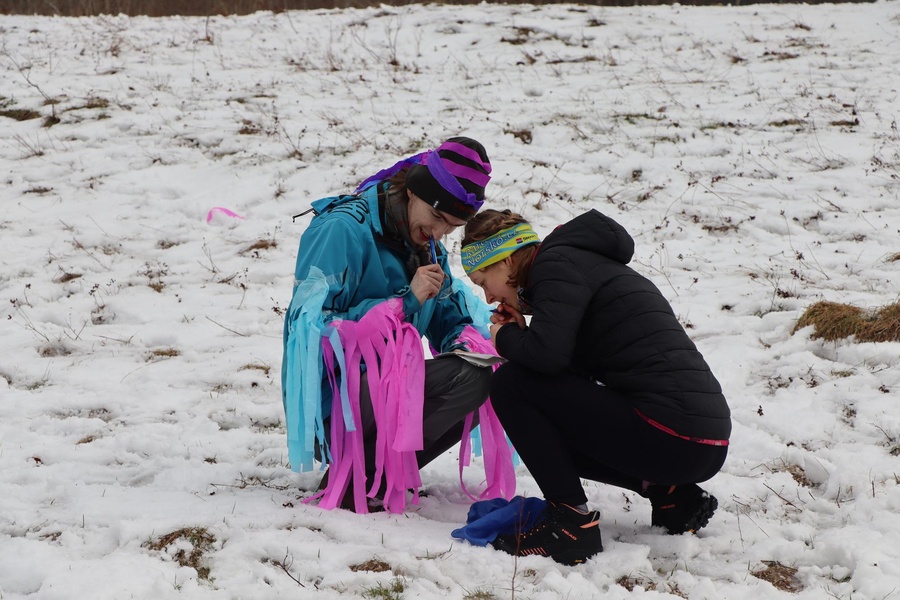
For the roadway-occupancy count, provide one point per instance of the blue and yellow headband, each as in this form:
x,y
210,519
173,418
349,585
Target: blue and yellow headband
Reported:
x,y
486,252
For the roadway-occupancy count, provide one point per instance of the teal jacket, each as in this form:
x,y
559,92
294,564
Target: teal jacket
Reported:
x,y
344,268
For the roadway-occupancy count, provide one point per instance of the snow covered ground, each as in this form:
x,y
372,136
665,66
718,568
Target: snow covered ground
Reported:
x,y
753,152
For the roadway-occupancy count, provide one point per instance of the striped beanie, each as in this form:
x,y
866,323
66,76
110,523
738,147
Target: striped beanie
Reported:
x,y
452,178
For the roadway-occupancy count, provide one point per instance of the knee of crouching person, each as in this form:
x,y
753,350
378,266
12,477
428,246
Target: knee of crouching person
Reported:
x,y
502,381
480,381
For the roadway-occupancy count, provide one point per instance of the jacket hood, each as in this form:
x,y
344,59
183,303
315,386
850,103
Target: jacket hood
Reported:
x,y
595,232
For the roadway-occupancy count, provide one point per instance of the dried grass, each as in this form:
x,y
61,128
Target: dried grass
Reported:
x,y
20,114
781,576
256,367
834,321
263,244
162,353
630,583
160,8
200,540
795,471
374,566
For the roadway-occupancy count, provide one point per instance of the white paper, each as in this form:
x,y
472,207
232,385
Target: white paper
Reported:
x,y
476,358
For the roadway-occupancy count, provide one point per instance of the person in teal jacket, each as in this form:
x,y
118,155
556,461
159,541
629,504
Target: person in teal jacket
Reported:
x,y
381,242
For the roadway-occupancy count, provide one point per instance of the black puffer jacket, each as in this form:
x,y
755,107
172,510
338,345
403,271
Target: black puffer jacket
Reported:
x,y
594,316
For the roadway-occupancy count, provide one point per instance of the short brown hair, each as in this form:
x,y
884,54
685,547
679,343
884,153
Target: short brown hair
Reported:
x,y
487,223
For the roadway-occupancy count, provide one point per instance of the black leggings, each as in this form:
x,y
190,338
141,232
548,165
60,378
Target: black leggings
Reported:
x,y
566,428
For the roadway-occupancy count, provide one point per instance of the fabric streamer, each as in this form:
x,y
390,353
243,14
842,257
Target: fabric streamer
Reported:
x,y
385,174
475,435
388,351
223,211
302,375
395,367
347,454
500,474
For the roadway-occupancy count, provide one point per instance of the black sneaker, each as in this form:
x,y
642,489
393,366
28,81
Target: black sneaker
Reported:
x,y
680,508
562,533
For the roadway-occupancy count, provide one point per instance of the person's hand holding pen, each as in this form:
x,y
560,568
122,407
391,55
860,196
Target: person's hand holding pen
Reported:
x,y
429,279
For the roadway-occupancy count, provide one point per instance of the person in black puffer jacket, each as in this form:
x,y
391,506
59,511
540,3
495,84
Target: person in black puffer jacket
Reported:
x,y
603,383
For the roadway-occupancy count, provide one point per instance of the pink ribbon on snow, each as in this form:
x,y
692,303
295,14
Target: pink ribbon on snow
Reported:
x,y
224,211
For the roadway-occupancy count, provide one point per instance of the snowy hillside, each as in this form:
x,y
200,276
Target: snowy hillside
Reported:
x,y
753,153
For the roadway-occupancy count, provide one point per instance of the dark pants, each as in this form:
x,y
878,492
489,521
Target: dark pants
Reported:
x,y
453,389
567,428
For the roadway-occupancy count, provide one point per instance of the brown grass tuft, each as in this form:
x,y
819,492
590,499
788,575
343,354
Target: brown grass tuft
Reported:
x,y
256,367
629,583
374,566
799,475
65,277
199,538
20,114
834,321
782,577
161,353
263,244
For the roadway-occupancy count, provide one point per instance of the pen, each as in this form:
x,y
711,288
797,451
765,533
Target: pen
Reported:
x,y
433,253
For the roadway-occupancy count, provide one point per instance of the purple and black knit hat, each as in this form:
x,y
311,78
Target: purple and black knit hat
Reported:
x,y
453,177
450,179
